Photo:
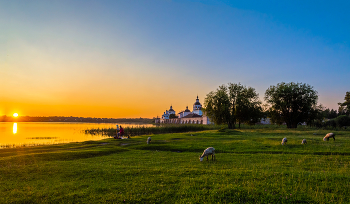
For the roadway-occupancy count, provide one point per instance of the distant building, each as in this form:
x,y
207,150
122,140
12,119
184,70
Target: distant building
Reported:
x,y
186,116
157,120
265,121
197,107
171,110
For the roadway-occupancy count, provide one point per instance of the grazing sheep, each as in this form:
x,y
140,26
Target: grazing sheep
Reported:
x,y
284,140
208,151
148,140
304,141
329,135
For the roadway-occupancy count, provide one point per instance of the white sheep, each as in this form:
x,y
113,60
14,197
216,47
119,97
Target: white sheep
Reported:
x,y
329,135
208,151
304,141
284,140
148,140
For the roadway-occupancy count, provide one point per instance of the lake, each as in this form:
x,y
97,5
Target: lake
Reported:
x,y
45,133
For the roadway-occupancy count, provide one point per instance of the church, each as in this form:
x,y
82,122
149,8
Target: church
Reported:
x,y
186,116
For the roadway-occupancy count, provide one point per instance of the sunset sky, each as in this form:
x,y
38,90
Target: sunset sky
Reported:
x,y
136,58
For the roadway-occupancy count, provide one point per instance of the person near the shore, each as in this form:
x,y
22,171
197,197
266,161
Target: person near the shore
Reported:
x,y
121,132
117,131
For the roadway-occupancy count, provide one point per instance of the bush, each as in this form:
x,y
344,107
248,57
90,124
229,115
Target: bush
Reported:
x,y
331,123
342,121
222,129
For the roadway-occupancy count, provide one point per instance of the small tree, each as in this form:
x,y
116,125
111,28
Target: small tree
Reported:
x,y
344,108
291,103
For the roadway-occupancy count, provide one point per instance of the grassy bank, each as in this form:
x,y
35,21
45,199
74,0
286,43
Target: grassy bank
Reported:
x,y
251,167
161,129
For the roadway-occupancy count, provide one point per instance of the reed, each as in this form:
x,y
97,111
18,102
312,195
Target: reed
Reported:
x,y
142,130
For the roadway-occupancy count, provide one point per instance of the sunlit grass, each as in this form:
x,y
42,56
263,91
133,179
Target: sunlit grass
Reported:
x,y
251,167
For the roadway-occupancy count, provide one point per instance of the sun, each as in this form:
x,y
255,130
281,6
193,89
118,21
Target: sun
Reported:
x,y
15,115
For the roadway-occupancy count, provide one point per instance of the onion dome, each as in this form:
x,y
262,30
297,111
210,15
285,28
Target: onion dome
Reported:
x,y
187,109
197,102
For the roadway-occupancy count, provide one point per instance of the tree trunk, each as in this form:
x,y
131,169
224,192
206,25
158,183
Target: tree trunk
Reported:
x,y
231,125
294,125
289,125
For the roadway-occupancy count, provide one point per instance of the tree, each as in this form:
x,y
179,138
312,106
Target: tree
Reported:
x,y
329,114
315,115
232,103
333,114
344,108
247,104
292,103
171,116
218,108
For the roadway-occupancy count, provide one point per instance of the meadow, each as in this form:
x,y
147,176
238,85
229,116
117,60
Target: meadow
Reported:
x,y
251,166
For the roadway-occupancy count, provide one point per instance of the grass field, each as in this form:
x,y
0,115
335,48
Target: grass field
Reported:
x,y
251,167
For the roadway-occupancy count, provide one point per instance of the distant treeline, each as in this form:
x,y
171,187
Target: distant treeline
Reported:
x,y
5,118
341,122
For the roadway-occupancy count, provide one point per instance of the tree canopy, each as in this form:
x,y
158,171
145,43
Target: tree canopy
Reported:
x,y
292,103
344,108
233,103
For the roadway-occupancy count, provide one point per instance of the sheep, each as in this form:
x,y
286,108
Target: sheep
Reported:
x,y
284,140
148,140
208,151
329,135
304,141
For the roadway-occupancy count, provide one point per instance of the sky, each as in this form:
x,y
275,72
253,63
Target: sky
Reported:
x,y
127,59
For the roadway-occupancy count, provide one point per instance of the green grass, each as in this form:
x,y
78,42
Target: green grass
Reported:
x,y
251,167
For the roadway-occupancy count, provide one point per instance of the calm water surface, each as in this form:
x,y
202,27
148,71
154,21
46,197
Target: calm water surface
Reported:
x,y
36,133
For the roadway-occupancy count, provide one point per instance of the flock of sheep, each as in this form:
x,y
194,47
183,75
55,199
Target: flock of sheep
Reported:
x,y
211,151
326,138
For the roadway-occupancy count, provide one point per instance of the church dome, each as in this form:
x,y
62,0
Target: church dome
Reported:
x,y
197,102
187,109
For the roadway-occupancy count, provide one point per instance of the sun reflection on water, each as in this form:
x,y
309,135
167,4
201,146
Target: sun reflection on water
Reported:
x,y
21,134
14,128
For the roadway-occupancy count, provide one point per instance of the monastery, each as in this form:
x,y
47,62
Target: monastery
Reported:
x,y
186,116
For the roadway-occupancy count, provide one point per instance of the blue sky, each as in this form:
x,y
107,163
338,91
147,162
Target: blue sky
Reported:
x,y
136,58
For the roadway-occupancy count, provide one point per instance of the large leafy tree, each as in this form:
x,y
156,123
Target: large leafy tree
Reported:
x,y
233,103
218,108
292,103
247,106
344,108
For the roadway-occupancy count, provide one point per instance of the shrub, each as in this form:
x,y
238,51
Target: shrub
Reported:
x,y
342,121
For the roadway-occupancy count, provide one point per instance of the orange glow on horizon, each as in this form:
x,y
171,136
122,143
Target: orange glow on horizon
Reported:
x,y
119,105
